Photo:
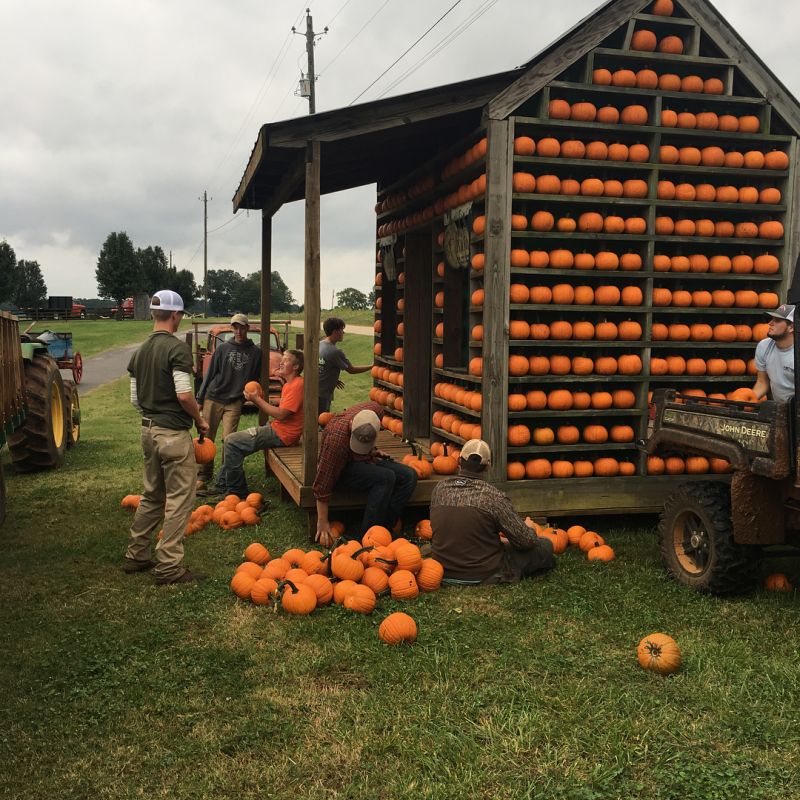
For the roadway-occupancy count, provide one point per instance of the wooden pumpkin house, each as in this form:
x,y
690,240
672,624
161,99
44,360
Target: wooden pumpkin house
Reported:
x,y
615,216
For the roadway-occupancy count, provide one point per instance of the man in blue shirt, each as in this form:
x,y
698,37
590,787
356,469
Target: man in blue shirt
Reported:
x,y
332,361
775,357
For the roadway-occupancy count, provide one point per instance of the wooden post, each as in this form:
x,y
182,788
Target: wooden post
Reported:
x,y
266,302
311,315
496,282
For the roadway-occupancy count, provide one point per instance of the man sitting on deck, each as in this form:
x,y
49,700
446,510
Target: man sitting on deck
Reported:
x,y
349,460
467,516
285,431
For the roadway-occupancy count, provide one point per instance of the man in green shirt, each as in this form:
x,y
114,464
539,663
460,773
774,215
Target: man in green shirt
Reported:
x,y
162,391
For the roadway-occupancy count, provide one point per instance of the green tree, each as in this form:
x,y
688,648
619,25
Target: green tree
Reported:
x,y
247,297
371,298
352,299
282,298
117,270
153,269
31,289
182,282
8,273
222,286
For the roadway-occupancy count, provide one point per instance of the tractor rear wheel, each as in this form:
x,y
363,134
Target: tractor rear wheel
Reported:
x,y
2,495
40,443
695,534
72,406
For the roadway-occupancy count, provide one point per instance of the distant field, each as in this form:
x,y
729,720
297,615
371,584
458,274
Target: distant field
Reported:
x,y
93,336
350,317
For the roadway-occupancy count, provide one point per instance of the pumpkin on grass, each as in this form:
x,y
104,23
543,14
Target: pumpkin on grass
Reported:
x,y
298,598
777,582
398,628
361,599
659,653
257,553
263,591
131,501
403,585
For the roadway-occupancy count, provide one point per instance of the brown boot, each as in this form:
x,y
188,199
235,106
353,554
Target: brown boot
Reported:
x,y
130,567
184,577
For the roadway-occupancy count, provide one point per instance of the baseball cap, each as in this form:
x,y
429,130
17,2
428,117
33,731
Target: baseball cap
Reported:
x,y
363,432
239,319
476,447
785,311
166,300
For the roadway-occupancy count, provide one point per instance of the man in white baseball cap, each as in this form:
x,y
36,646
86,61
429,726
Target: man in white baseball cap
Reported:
x,y
161,390
349,461
468,515
775,357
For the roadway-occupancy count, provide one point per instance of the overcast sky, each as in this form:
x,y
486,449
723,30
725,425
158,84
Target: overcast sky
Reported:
x,y
117,115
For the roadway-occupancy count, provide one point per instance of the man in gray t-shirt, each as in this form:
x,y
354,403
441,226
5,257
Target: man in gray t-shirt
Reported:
x,y
775,357
332,361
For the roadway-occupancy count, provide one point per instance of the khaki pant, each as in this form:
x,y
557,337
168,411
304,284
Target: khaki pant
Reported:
x,y
226,413
169,477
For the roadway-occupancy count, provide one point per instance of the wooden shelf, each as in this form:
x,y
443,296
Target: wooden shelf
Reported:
x,y
556,449
456,375
592,378
583,413
391,386
666,58
455,407
577,343
581,308
628,274
740,379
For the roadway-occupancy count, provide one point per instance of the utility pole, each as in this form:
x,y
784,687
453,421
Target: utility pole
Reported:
x,y
205,200
310,77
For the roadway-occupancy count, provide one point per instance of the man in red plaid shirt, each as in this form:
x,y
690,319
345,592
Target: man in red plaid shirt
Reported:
x,y
349,460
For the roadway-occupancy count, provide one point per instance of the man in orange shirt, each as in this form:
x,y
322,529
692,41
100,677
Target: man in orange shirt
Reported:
x,y
284,431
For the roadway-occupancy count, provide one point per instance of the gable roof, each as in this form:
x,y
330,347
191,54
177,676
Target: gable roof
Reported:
x,y
373,141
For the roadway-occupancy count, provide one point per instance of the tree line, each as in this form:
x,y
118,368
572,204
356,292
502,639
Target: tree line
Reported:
x,y
21,282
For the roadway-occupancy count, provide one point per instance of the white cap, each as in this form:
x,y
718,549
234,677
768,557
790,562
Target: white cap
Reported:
x,y
166,300
240,319
476,447
363,432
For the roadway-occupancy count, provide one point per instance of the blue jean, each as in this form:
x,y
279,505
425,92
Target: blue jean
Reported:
x,y
231,478
388,485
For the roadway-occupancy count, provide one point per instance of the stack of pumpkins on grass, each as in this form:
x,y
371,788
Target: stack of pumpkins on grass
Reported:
x,y
353,574
231,512
588,542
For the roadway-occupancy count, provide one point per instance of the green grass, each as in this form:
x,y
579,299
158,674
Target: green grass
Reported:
x,y
349,316
93,336
114,688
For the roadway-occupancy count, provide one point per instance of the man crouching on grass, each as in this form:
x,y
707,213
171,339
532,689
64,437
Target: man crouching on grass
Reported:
x,y
467,516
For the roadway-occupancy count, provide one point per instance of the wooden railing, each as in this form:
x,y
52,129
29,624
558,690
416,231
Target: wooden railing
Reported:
x,y
12,376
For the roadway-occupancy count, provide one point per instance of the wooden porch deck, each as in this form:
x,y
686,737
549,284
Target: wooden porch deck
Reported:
x,y
573,497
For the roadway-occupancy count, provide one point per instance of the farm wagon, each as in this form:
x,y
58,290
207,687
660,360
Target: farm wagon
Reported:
x,y
554,243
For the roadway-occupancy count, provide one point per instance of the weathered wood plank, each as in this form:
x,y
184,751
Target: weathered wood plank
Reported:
x,y
266,300
416,341
250,170
289,185
573,46
311,313
496,282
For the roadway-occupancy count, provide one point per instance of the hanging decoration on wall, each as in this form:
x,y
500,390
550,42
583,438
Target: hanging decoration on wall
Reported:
x,y
386,245
456,237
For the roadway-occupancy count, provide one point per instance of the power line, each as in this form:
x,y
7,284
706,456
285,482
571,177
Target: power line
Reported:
x,y
268,79
458,2
341,8
360,31
442,44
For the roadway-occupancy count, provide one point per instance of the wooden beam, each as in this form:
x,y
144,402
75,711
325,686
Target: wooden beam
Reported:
x,y
289,185
250,170
266,302
496,282
719,31
311,314
587,35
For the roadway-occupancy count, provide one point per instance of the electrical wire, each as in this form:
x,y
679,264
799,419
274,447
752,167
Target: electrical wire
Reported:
x,y
360,30
266,84
341,8
408,50
443,43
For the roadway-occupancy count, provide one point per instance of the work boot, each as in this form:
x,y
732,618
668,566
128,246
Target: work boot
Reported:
x,y
184,577
130,566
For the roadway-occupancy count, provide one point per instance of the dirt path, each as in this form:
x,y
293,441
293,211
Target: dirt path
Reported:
x,y
104,367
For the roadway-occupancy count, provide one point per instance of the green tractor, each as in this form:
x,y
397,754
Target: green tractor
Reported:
x,y
39,411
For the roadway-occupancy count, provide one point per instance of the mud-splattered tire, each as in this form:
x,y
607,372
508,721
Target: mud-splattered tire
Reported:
x,y
72,407
40,443
695,535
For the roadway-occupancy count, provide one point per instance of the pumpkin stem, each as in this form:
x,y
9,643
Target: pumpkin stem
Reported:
x,y
201,438
286,582
362,550
390,562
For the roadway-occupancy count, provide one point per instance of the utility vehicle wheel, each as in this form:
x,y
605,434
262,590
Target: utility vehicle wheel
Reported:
x,y
72,406
696,538
40,443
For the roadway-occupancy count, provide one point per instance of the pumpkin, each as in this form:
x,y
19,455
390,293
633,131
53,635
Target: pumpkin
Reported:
x,y
647,79
522,183
256,553
515,470
754,159
204,449
242,584
263,591
341,590
574,533
538,468
634,115
777,582
322,588
398,628
131,501
669,82
749,123
583,112
597,151
776,159
662,8
600,553
403,585
429,577
590,539
254,386
601,77
659,653
772,229
644,40
559,109
360,599
298,598
671,44
548,184
624,77
524,146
